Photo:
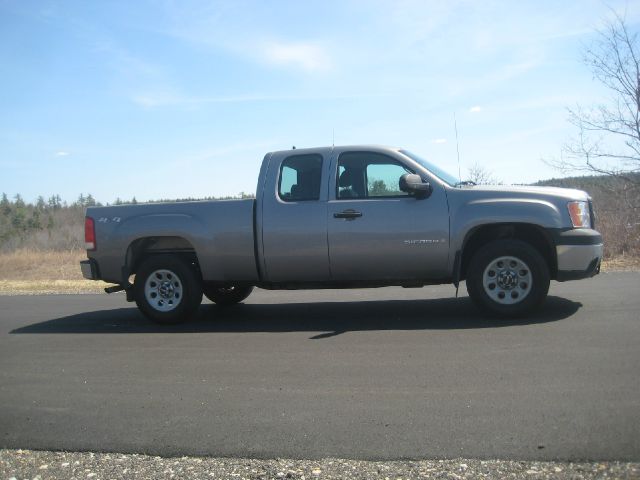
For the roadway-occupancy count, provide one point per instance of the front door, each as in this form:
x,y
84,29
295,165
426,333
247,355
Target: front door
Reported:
x,y
377,232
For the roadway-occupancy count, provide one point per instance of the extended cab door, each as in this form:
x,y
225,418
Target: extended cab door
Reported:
x,y
293,217
376,231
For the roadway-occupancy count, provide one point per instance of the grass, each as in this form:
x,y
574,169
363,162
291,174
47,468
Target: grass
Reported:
x,y
42,271
621,263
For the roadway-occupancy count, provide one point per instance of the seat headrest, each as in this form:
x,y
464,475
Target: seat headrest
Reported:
x,y
345,179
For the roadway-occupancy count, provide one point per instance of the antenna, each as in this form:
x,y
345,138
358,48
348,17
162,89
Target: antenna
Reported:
x,y
333,137
455,126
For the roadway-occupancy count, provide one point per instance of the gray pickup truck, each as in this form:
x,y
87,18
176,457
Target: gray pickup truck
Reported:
x,y
346,217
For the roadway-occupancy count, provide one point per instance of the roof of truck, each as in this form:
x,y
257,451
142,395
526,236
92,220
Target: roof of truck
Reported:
x,y
372,147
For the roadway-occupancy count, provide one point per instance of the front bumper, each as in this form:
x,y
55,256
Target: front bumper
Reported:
x,y
89,269
579,253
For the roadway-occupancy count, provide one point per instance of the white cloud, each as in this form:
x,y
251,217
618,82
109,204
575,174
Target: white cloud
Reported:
x,y
62,153
162,98
168,98
153,99
246,33
306,56
475,109
439,140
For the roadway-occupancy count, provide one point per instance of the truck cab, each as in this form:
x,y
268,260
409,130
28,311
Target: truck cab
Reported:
x,y
338,215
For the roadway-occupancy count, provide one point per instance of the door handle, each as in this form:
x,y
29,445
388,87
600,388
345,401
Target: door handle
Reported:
x,y
347,214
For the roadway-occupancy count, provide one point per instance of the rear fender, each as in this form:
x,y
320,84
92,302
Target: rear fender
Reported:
x,y
113,260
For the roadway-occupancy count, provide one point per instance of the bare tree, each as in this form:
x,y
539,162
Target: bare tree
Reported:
x,y
481,175
608,139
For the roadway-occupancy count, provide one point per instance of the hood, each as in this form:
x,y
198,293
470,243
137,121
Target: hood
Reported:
x,y
523,190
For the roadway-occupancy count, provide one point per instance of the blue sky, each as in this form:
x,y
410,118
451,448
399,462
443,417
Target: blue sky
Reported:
x,y
165,99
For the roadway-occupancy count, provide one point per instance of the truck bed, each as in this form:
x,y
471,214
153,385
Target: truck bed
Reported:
x,y
221,232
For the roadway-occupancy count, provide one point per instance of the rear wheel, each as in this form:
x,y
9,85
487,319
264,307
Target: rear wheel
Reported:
x,y
167,289
508,278
229,295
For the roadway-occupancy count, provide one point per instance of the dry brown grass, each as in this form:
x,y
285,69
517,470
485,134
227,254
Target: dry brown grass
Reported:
x,y
41,271
46,287
621,263
41,265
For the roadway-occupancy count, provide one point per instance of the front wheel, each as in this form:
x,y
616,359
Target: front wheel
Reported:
x,y
167,289
229,295
508,278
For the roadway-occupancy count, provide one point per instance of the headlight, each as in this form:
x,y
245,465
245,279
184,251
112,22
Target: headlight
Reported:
x,y
579,213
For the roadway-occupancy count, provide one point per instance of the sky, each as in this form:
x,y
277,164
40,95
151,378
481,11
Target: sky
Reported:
x,y
175,99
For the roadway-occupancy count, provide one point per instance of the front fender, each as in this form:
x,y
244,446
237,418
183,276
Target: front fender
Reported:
x,y
481,212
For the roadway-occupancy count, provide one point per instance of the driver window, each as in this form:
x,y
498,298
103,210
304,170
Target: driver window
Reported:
x,y
383,180
369,175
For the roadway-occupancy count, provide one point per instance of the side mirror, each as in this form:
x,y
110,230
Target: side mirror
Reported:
x,y
412,183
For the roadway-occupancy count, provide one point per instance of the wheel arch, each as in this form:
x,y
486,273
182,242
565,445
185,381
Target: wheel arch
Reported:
x,y
141,248
532,234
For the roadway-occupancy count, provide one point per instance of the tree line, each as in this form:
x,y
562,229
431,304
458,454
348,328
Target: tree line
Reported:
x,y
55,224
21,220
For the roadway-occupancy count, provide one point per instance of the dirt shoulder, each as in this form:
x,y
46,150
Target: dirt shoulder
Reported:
x,y
37,272
39,464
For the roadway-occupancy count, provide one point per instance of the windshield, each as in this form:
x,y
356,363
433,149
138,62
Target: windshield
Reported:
x,y
437,171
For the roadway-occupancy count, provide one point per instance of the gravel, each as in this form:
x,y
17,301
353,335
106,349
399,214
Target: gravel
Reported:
x,y
41,465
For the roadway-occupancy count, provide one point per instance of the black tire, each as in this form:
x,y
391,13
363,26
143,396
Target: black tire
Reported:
x,y
225,296
508,278
167,289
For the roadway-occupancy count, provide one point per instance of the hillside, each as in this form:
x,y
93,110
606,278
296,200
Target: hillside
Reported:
x,y
616,206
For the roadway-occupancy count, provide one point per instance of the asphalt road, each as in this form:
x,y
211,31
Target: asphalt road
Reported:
x,y
371,374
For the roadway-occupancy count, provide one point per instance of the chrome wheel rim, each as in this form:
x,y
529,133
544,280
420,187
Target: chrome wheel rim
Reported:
x,y
163,290
507,280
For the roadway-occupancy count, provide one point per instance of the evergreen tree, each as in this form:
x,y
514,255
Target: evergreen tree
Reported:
x,y
18,220
55,202
19,202
34,222
5,205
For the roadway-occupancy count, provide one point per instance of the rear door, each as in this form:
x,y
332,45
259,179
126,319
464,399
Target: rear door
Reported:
x,y
294,218
379,233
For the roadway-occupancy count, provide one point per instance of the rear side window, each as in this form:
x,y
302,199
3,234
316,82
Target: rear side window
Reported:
x,y
300,177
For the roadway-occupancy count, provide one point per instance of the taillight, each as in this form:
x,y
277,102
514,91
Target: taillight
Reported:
x,y
89,233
